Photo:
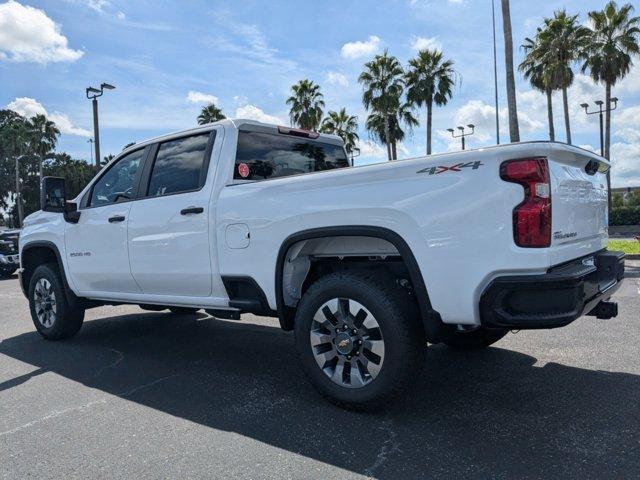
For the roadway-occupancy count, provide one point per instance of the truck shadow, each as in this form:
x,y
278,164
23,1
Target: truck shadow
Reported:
x,y
485,414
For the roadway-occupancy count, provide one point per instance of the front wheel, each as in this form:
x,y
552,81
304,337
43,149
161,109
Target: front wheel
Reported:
x,y
52,315
358,341
480,337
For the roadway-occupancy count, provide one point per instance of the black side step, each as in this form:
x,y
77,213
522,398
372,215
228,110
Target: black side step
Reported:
x,y
226,314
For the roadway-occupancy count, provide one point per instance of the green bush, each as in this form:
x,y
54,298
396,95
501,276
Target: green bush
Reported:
x,y
625,216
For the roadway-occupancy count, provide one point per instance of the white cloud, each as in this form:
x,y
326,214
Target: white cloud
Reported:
x,y
27,34
252,112
199,98
336,78
483,116
121,15
97,5
369,148
424,43
359,49
625,159
29,107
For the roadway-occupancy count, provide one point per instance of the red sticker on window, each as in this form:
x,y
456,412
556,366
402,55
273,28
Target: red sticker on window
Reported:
x,y
243,170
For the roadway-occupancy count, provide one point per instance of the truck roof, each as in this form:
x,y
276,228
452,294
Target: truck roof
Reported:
x,y
228,122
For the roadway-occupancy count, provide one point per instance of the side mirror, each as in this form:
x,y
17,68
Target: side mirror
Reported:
x,y
53,197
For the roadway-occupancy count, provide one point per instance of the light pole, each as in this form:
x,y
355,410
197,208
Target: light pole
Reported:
x,y
462,133
495,71
600,112
93,94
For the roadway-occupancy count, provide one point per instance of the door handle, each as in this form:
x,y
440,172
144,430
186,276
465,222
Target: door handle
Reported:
x,y
116,218
190,210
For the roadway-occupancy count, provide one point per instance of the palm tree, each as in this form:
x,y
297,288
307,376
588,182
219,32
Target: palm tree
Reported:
x,y
306,105
430,80
377,126
44,136
210,114
608,57
514,130
562,40
383,83
539,75
343,125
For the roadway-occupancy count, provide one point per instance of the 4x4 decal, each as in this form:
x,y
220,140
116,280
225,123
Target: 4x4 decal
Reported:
x,y
451,168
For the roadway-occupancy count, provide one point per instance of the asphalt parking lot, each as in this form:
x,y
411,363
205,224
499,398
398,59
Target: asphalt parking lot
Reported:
x,y
154,395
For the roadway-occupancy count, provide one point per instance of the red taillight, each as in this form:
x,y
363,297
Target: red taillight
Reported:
x,y
532,217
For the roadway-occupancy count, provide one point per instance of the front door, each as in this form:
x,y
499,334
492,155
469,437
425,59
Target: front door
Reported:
x,y
169,237
97,249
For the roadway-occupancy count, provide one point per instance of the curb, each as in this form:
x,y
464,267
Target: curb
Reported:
x,y
632,256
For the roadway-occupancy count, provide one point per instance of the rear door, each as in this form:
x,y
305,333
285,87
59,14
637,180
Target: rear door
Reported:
x,y
169,228
579,204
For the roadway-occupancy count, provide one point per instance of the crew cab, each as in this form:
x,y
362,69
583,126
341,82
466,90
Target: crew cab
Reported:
x,y
366,264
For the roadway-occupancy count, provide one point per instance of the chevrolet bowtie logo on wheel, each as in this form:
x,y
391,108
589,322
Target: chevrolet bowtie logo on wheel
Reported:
x,y
343,343
451,168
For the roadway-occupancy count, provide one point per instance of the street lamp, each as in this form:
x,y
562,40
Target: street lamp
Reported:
x,y
462,133
600,111
93,94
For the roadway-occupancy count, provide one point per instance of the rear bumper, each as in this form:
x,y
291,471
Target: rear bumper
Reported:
x,y
555,298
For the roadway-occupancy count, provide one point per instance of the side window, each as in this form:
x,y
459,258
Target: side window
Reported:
x,y
269,155
119,182
179,166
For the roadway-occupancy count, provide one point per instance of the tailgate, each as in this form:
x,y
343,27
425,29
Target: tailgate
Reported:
x,y
579,215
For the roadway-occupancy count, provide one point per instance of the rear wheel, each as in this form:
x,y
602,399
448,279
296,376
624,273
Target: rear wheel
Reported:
x,y
480,337
52,315
358,342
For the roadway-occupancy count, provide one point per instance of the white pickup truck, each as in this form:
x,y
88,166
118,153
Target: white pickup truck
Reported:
x,y
366,264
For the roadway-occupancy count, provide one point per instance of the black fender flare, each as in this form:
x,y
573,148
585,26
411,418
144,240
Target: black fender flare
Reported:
x,y
435,330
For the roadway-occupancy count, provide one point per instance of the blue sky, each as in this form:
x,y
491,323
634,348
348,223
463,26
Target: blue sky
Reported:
x,y
167,59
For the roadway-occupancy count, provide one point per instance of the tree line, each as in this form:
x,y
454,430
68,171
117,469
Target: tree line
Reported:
x,y
26,155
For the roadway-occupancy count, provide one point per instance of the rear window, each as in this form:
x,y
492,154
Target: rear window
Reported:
x,y
179,166
268,155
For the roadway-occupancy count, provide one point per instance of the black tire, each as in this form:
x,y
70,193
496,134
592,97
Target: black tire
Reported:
x,y
401,330
183,310
475,339
66,320
6,273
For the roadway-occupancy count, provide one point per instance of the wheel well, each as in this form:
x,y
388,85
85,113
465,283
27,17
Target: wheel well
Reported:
x,y
309,255
38,253
32,258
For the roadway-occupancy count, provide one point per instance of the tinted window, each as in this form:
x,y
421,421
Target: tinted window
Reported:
x,y
179,166
267,155
118,184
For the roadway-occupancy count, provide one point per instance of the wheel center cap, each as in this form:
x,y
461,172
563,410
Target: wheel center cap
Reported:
x,y
344,343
